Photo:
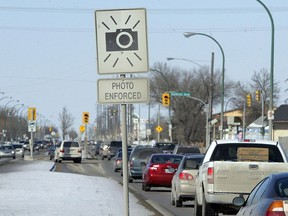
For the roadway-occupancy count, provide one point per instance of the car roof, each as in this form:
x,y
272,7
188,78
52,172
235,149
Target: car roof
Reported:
x,y
193,155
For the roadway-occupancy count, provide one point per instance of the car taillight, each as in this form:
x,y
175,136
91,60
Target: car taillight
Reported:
x,y
131,163
62,150
154,167
79,150
210,175
276,208
118,161
185,176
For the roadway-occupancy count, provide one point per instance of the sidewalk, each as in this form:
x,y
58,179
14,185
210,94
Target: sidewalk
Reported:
x,y
34,190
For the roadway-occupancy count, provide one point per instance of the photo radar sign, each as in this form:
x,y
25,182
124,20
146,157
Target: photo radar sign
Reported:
x,y
121,39
122,91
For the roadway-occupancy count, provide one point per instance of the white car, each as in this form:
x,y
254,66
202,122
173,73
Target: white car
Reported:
x,y
68,150
184,180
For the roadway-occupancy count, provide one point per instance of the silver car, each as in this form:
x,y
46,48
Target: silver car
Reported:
x,y
183,185
19,149
7,151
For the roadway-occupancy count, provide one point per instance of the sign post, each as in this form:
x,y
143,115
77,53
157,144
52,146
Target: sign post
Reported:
x,y
121,39
31,127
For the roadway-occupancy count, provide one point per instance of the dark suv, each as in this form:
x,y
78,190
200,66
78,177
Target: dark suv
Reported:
x,y
137,159
113,147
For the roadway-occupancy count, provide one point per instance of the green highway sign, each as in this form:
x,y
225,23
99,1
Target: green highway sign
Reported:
x,y
181,94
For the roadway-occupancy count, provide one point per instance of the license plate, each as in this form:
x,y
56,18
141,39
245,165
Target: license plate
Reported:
x,y
170,170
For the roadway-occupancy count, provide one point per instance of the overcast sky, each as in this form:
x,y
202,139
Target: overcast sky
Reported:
x,y
48,47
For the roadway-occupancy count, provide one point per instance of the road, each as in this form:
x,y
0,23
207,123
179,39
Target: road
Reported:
x,y
157,197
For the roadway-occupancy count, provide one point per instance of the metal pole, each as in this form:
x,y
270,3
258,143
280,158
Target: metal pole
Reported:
x,y
262,106
271,68
210,97
125,157
189,34
244,120
207,118
158,137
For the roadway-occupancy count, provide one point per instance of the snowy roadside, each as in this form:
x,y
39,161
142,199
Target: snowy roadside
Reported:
x,y
34,190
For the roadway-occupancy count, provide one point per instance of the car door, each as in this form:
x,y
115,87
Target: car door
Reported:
x,y
251,207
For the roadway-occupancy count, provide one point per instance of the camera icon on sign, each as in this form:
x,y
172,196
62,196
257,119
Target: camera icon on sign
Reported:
x,y
121,40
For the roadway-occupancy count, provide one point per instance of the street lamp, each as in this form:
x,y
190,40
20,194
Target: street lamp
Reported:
x,y
5,97
206,105
271,67
190,34
183,59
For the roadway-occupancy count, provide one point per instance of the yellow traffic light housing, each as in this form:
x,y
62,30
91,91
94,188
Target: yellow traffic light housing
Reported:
x,y
258,95
248,100
85,117
166,99
32,114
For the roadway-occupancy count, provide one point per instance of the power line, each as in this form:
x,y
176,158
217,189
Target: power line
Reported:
x,y
152,11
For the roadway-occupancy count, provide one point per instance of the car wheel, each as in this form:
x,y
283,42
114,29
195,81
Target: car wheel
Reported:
x,y
197,208
206,208
172,198
79,160
178,202
102,158
60,161
147,187
130,179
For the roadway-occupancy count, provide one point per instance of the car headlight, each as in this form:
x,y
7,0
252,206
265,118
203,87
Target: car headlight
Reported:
x,y
13,152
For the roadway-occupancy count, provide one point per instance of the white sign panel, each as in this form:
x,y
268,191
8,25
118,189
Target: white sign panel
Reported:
x,y
121,39
32,126
122,91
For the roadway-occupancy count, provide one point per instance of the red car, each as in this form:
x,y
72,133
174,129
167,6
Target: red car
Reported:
x,y
159,170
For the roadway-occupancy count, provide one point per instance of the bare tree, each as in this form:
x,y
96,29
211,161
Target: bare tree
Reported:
x,y
73,134
66,121
187,115
260,80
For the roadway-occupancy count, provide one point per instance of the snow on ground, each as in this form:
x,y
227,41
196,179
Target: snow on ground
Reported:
x,y
34,190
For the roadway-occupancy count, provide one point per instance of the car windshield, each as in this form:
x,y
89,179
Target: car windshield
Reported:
x,y
17,146
165,146
70,144
167,158
116,144
7,147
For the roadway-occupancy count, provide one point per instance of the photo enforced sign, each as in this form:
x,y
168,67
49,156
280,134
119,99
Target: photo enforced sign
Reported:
x,y
121,41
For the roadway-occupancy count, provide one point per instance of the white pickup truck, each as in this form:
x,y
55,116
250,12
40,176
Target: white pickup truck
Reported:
x,y
232,168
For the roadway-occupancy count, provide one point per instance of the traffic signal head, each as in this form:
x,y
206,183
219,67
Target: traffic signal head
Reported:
x,y
85,117
166,99
258,95
248,100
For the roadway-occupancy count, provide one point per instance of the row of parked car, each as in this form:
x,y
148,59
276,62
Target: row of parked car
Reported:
x,y
161,165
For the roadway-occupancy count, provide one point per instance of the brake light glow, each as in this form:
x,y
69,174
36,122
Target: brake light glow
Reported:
x,y
185,176
62,150
276,208
154,166
247,140
210,175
